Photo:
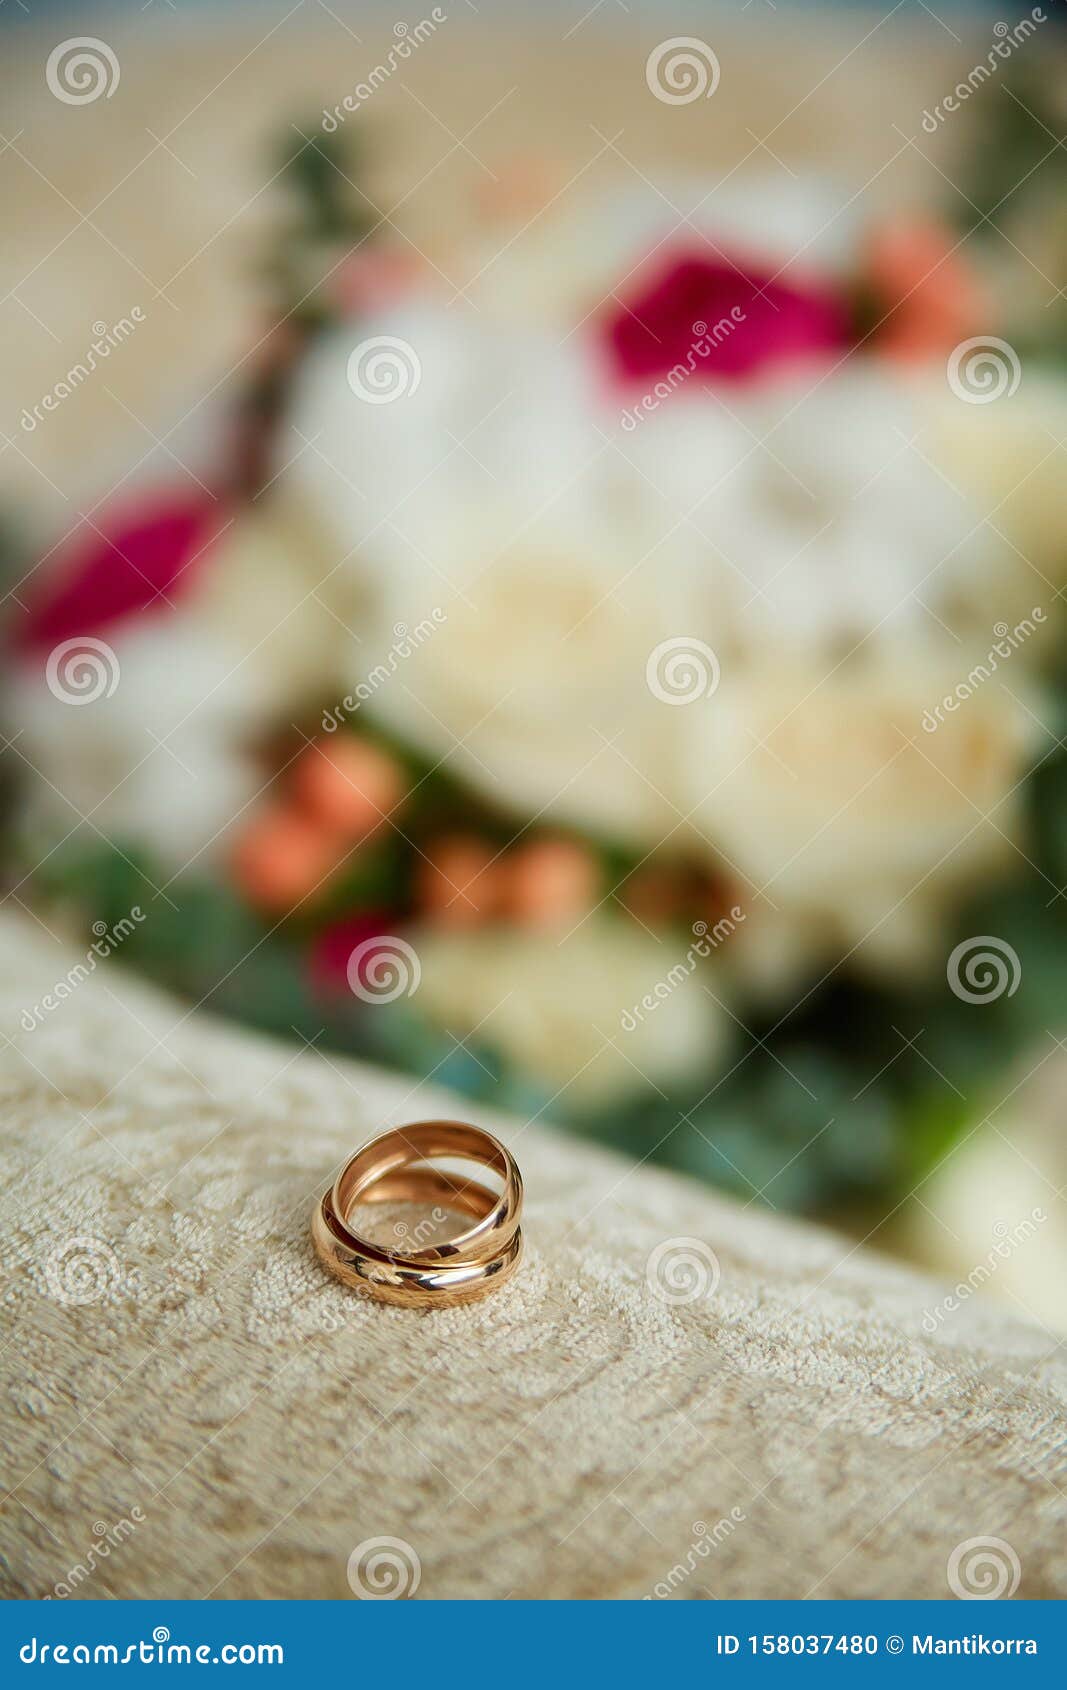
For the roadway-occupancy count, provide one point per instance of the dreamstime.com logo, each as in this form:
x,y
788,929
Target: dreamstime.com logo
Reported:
x,y
1008,1240
107,337
405,1239
383,968
1007,641
405,641
983,1569
383,1569
80,69
105,1539
682,670
418,1237
383,369
705,940
704,342
682,70
982,369
155,1651
81,1270
408,38
983,968
682,1270
107,939
81,670
1007,39
704,1540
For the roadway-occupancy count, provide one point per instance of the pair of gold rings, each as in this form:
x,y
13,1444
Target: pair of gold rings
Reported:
x,y
397,1167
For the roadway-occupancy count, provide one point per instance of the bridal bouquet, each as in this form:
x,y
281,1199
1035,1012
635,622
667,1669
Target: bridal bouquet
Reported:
x,y
614,671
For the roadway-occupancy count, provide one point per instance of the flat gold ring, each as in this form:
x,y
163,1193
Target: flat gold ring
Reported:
x,y
397,1167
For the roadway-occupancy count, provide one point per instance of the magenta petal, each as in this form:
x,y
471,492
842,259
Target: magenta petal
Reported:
x,y
331,949
120,566
708,318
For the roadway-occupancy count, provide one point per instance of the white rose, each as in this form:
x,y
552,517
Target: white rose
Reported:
x,y
570,1011
992,1219
555,566
839,525
826,794
270,592
159,762
1006,456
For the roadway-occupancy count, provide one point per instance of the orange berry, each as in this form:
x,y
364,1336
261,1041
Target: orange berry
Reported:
x,y
654,894
458,884
522,189
347,784
902,252
282,857
933,297
549,881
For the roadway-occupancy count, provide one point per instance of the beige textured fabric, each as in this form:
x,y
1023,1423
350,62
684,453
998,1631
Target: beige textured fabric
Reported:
x,y
574,1435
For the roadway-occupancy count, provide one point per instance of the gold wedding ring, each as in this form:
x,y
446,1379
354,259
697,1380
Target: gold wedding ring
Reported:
x,y
397,1167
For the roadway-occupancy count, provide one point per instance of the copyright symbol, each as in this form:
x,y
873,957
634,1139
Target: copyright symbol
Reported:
x,y
895,1645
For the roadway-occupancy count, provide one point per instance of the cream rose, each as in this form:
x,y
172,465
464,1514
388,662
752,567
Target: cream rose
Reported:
x,y
590,1014
493,499
1007,456
992,1218
161,760
828,796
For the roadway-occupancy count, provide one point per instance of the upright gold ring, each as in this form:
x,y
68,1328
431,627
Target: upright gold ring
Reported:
x,y
397,1167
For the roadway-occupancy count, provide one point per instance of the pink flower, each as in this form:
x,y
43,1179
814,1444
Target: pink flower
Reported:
x,y
129,562
722,322
330,951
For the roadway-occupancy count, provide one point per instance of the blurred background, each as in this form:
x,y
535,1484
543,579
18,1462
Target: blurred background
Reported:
x,y
534,551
